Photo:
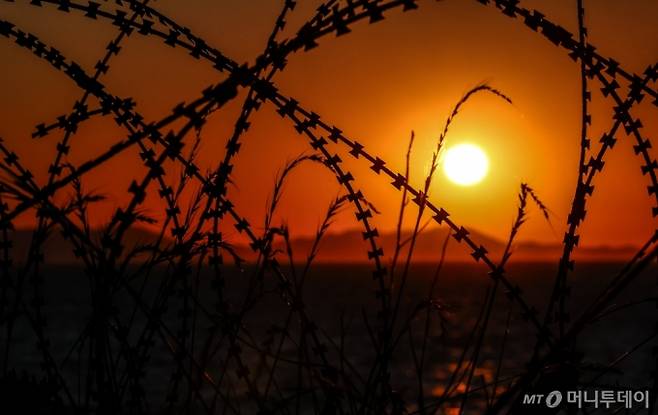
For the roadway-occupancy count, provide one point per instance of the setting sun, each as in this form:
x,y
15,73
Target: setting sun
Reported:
x,y
465,164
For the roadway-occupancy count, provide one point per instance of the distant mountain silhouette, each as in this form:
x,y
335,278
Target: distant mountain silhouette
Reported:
x,y
58,250
349,246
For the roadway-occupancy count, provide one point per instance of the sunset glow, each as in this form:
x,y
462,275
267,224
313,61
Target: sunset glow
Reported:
x,y
465,164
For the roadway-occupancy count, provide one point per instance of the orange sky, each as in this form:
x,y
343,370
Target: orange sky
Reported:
x,y
377,84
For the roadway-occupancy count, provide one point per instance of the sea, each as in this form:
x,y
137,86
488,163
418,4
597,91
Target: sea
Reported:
x,y
341,305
